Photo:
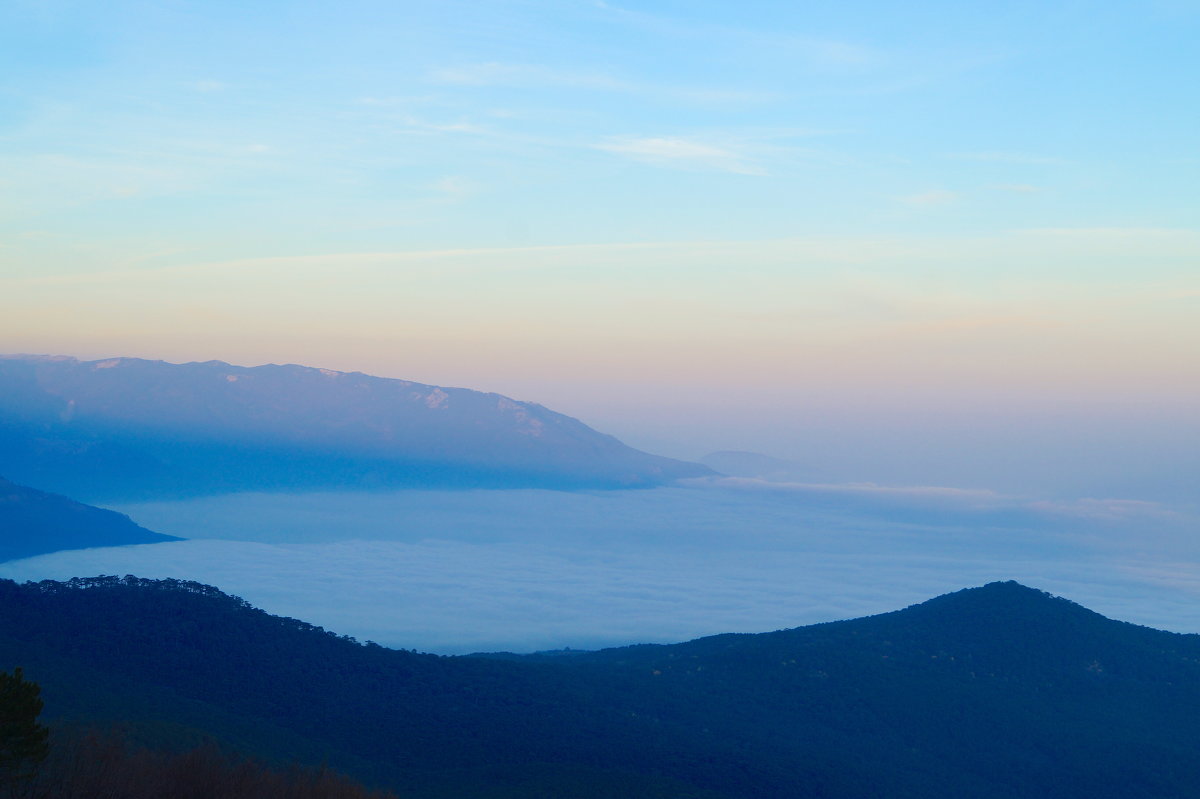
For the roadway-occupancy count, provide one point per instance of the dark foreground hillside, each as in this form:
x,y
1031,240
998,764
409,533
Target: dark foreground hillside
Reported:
x,y
103,765
1000,691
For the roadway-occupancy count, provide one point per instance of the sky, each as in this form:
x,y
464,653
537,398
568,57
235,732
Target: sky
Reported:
x,y
917,244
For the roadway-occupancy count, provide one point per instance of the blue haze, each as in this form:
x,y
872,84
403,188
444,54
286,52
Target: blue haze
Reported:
x,y
455,572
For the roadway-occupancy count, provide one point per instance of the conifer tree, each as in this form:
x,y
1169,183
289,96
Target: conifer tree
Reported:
x,y
23,742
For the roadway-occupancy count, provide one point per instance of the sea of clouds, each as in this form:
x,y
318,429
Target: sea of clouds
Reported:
x,y
463,571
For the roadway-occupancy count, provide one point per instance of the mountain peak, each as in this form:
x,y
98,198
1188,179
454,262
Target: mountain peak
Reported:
x,y
1001,596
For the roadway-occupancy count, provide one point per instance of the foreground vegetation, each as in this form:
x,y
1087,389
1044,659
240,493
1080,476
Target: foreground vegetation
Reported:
x,y
1000,692
106,765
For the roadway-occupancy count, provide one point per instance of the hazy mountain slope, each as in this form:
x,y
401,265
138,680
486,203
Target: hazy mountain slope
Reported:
x,y
1001,691
127,428
34,522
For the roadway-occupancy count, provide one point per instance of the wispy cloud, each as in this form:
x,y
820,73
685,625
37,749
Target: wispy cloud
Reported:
x,y
454,187
833,54
928,199
1078,244
819,53
1111,510
930,495
683,153
1018,188
494,73
535,76
871,497
419,125
1007,157
392,101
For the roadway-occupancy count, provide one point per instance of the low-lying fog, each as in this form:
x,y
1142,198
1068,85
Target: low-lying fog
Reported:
x,y
463,571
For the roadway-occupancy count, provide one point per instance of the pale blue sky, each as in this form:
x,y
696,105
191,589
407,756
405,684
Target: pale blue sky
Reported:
x,y
696,225
230,129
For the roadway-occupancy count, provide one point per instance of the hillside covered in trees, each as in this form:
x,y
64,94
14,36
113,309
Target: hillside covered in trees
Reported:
x,y
999,691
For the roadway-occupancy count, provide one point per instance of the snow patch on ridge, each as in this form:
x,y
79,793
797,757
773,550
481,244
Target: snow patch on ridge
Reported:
x,y
532,427
526,425
436,398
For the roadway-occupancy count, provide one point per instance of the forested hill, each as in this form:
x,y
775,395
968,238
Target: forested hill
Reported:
x,y
34,522
1000,691
126,428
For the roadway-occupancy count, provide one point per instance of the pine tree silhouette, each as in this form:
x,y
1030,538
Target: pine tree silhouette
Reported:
x,y
23,742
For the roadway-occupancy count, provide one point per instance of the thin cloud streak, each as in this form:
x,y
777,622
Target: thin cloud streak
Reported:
x,y
1019,188
1006,157
494,73
532,76
933,498
683,153
866,250
929,199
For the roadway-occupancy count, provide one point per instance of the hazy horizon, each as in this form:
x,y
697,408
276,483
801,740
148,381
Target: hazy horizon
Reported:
x,y
929,244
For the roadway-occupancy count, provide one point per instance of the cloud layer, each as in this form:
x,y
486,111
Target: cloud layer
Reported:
x,y
456,572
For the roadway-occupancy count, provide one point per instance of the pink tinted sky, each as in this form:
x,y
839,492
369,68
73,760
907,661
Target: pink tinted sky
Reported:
x,y
985,362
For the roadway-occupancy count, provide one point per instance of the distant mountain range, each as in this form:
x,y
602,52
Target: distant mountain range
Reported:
x,y
35,523
125,428
999,692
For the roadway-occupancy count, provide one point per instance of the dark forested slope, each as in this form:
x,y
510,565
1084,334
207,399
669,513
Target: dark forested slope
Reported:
x,y
34,522
1000,691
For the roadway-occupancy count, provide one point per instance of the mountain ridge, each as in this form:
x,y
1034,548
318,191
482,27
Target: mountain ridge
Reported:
x,y
34,522
954,696
129,428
